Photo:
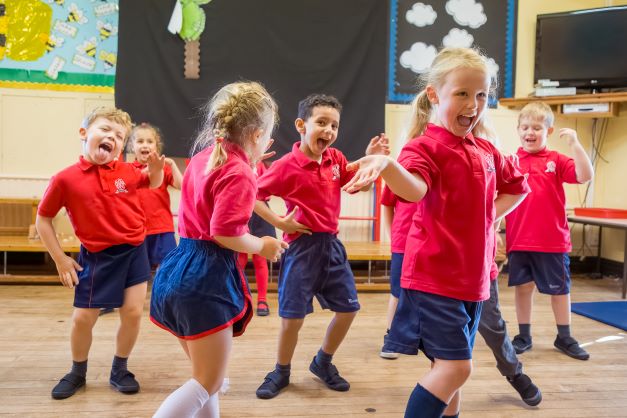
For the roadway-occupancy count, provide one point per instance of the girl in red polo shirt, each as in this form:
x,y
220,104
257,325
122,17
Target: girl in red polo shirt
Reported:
x,y
199,293
453,175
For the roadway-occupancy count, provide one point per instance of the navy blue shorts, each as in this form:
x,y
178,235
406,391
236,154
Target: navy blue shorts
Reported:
x,y
442,327
260,228
200,290
158,246
396,268
107,273
549,271
316,265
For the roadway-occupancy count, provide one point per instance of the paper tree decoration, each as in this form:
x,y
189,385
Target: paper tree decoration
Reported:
x,y
188,20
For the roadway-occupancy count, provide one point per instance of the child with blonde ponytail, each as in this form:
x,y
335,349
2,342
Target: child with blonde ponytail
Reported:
x,y
199,294
453,175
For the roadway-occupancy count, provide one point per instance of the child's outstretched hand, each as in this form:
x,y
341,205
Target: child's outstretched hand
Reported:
x,y
368,168
67,268
270,154
169,161
570,135
155,162
291,226
379,145
272,248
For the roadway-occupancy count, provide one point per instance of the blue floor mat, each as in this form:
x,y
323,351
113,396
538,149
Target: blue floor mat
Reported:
x,y
611,313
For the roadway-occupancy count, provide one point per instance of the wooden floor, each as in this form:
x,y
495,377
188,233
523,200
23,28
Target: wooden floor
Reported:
x,y
35,354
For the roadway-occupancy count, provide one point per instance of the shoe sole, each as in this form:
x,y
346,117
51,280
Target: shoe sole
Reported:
x,y
66,395
584,358
535,400
388,356
123,389
522,350
311,369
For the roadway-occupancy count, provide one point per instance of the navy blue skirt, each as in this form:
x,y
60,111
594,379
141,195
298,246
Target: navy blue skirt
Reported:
x,y
200,290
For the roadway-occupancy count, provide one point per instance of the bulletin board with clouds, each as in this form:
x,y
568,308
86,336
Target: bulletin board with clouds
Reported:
x,y
59,44
419,29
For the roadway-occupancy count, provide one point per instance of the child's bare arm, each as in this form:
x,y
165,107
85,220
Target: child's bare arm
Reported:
x,y
155,169
268,247
583,166
505,203
409,186
285,223
66,266
388,217
177,176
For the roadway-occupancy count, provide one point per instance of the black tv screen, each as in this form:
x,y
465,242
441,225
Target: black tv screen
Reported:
x,y
583,48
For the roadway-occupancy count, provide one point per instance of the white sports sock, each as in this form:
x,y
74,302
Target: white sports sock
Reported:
x,y
184,402
211,409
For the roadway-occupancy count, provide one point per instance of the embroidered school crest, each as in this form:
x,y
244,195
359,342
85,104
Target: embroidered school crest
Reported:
x,y
550,167
336,172
489,162
120,186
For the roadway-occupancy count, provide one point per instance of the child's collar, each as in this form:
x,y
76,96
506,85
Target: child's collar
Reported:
x,y
85,164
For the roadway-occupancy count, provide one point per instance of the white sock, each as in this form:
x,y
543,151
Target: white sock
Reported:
x,y
211,409
225,386
184,402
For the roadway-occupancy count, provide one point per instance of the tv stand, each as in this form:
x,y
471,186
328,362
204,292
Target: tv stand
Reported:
x,y
613,99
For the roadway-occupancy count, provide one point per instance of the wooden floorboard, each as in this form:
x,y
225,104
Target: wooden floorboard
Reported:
x,y
34,329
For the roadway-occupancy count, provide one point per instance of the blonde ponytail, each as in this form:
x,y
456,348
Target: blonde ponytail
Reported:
x,y
420,115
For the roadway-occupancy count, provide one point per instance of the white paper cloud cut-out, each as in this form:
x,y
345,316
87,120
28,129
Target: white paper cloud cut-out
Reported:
x,y
421,15
419,57
466,12
493,67
459,38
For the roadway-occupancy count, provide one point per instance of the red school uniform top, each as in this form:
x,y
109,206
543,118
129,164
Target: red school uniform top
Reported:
x,y
314,187
220,202
156,203
101,201
450,246
539,222
403,212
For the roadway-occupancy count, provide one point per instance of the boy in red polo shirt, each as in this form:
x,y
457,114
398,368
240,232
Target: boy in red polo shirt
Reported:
x,y
538,238
309,179
100,196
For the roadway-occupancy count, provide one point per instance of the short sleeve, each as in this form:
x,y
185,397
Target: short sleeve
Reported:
x,y
415,159
388,198
53,199
509,180
566,169
233,202
345,175
269,182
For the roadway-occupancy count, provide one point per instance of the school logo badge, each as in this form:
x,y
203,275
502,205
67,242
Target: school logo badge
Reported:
x,y
120,186
489,162
550,167
336,172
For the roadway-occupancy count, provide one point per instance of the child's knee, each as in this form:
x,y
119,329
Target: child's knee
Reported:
x,y
290,325
84,318
132,313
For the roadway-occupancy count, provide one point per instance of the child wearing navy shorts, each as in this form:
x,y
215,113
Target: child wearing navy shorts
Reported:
x,y
259,228
200,294
100,195
397,216
538,237
454,176
309,179
146,138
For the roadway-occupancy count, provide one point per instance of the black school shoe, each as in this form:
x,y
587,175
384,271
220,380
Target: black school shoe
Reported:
x,y
68,386
570,347
124,381
529,393
522,344
272,385
330,376
262,309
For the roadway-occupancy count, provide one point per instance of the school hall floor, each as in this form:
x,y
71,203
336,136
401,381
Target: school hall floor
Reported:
x,y
34,341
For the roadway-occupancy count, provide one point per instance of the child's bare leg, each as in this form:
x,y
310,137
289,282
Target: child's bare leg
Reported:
x,y
130,319
561,309
337,330
83,321
209,356
288,338
392,304
454,404
524,302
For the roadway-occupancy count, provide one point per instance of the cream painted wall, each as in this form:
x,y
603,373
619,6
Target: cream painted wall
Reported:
x,y
609,184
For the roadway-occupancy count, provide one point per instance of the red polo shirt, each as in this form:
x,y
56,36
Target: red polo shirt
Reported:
x,y
220,202
156,203
450,246
101,201
539,222
314,187
401,222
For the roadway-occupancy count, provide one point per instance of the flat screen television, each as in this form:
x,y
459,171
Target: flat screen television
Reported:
x,y
583,48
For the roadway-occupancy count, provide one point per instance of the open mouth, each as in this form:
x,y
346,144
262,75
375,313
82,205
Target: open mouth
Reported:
x,y
322,143
105,147
465,121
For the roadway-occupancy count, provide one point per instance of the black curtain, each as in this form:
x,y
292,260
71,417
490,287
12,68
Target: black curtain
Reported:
x,y
294,47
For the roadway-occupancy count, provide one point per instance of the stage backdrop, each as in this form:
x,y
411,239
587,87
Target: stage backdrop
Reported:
x,y
293,47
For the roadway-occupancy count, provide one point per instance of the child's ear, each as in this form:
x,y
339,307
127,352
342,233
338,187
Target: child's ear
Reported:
x,y
550,130
300,125
432,95
82,132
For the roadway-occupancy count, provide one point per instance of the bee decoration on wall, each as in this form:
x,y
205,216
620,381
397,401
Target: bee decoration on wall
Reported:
x,y
88,47
109,59
76,15
106,30
53,42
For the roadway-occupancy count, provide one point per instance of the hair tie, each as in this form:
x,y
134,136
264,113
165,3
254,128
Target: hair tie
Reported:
x,y
219,140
